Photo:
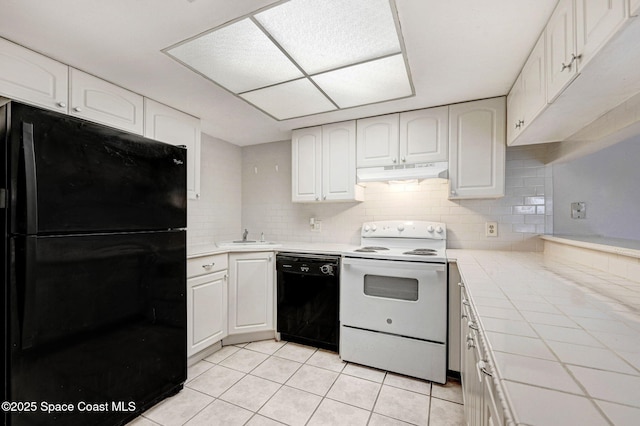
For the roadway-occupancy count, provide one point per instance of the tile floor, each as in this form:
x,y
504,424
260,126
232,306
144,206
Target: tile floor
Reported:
x,y
274,383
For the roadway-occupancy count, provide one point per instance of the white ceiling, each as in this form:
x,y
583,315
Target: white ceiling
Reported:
x,y
458,50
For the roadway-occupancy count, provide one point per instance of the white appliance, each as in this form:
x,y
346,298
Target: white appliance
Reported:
x,y
393,299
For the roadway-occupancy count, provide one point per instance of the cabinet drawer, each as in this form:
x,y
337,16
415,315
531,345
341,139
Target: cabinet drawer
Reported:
x,y
206,264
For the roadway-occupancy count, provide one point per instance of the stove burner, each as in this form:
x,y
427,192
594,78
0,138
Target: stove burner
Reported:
x,y
422,252
370,249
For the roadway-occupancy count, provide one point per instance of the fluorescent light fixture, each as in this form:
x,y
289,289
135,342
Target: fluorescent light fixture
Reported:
x,y
299,97
304,57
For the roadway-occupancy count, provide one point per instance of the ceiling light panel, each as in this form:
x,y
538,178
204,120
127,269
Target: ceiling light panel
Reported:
x,y
239,57
327,34
375,81
288,100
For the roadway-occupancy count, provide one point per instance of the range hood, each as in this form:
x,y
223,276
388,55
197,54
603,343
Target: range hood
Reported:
x,y
403,172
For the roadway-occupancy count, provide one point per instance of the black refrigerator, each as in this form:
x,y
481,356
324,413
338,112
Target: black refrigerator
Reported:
x,y
94,267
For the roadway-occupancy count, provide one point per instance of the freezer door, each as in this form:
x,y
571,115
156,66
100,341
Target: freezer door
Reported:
x,y
96,318
69,175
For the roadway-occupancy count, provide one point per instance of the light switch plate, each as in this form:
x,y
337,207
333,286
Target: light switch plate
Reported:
x,y
578,210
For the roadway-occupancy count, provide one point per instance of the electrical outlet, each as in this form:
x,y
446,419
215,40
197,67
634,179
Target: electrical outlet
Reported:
x,y
316,226
579,210
491,229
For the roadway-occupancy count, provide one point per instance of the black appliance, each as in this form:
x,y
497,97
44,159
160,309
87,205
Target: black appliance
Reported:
x,y
94,267
308,292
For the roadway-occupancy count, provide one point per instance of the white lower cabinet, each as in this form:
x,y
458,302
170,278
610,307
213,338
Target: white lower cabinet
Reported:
x,y
251,292
481,407
477,149
207,302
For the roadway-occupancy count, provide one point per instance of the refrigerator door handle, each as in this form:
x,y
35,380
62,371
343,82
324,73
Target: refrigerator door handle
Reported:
x,y
31,193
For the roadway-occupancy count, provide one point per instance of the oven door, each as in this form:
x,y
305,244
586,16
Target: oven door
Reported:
x,y
397,297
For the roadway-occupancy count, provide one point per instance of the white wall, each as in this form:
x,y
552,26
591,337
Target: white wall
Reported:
x,y
609,182
215,216
267,206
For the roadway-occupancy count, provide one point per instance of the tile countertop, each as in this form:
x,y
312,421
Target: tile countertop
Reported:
x,y
564,338
291,247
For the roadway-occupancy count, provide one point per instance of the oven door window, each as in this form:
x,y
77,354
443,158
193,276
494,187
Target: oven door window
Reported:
x,y
398,288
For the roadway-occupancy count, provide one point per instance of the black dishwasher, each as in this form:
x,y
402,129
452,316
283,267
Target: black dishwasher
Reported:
x,y
308,299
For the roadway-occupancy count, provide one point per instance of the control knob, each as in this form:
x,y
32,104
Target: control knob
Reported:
x,y
430,228
366,228
401,227
439,230
327,269
373,227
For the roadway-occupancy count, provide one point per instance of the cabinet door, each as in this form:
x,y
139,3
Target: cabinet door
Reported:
x,y
32,78
206,311
477,149
377,141
561,48
424,135
177,128
306,164
339,161
97,100
596,22
251,292
634,8
534,84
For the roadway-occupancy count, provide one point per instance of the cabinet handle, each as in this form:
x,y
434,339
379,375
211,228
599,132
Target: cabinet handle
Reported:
x,y
519,124
77,109
324,197
470,344
482,367
472,325
460,285
404,160
463,316
317,198
209,266
465,302
395,160
570,64
62,105
453,192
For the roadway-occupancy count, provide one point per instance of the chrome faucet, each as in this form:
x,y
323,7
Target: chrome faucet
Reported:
x,y
244,234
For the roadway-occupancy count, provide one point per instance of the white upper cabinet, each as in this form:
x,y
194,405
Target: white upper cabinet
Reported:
x,y
177,128
323,163
97,100
406,138
596,22
32,78
578,41
378,141
339,161
424,135
634,7
561,54
529,93
477,149
306,167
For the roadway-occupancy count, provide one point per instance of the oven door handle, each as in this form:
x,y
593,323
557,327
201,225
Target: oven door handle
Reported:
x,y
348,261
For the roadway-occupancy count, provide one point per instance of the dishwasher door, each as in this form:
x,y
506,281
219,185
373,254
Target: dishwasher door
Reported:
x,y
308,288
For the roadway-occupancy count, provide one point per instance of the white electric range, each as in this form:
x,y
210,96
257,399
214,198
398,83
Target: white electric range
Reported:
x,y
393,299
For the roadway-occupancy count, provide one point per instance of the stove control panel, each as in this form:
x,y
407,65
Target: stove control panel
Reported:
x,y
404,229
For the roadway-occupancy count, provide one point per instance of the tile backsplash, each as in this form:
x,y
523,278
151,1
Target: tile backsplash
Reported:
x,y
215,216
524,212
